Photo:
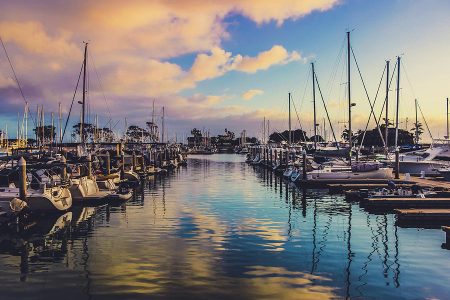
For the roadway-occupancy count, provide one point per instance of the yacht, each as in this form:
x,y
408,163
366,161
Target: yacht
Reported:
x,y
427,161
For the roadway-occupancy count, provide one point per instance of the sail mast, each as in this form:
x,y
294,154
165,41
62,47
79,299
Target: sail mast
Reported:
x,y
290,135
386,134
398,102
162,126
417,125
447,120
314,105
83,107
350,137
60,122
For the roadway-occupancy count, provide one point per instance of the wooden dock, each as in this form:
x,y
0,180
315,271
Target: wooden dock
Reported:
x,y
424,216
361,183
410,202
429,182
339,187
446,245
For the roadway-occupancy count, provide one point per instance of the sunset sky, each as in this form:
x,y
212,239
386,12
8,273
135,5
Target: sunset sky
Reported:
x,y
223,64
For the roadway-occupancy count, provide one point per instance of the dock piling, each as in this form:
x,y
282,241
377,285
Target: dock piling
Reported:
x,y
22,179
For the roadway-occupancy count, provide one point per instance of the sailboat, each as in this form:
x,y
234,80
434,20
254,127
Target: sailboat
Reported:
x,y
356,170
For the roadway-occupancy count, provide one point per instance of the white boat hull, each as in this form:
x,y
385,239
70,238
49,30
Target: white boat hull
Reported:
x,y
382,173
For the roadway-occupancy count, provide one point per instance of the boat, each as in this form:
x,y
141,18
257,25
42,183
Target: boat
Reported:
x,y
426,162
357,172
43,194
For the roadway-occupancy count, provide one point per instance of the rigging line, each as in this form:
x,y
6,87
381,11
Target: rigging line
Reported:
x,y
15,76
407,78
326,110
426,124
101,85
389,88
368,98
304,91
71,105
368,120
334,69
298,118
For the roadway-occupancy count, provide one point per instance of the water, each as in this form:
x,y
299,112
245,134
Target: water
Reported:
x,y
221,229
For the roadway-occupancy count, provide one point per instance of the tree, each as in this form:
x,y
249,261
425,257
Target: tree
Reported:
x,y
372,137
88,130
136,134
345,134
319,139
49,132
418,128
298,135
196,133
106,134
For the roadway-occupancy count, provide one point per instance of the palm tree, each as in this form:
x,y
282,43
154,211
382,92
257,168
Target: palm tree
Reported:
x,y
417,131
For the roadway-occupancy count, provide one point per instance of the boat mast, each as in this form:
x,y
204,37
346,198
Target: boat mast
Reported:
x,y
447,120
350,137
264,131
314,105
83,107
162,126
60,122
43,125
51,130
290,135
398,102
386,134
417,125
26,124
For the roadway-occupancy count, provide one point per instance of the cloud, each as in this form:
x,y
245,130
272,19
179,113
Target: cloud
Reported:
x,y
159,78
277,55
132,46
248,95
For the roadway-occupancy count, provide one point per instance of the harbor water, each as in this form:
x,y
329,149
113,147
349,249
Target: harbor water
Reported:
x,y
221,229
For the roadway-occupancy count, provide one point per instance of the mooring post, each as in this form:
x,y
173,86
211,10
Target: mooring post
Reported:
x,y
143,167
270,157
397,163
89,159
22,179
108,163
275,156
63,168
304,164
118,149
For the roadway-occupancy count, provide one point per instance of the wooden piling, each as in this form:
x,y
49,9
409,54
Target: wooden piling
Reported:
x,y
22,179
89,159
304,164
397,163
63,168
108,163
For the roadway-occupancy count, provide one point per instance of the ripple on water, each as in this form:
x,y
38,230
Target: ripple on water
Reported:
x,y
221,229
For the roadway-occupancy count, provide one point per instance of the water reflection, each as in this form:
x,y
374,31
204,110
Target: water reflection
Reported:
x,y
222,229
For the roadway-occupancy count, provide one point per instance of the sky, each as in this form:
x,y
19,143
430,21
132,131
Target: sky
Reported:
x,y
225,64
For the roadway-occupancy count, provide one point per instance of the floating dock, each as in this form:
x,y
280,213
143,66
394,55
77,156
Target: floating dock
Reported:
x,y
425,217
400,203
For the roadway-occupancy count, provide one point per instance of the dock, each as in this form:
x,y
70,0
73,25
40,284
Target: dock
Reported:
x,y
339,187
400,203
427,217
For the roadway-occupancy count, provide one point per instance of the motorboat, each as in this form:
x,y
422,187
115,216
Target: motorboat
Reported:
x,y
426,161
357,172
